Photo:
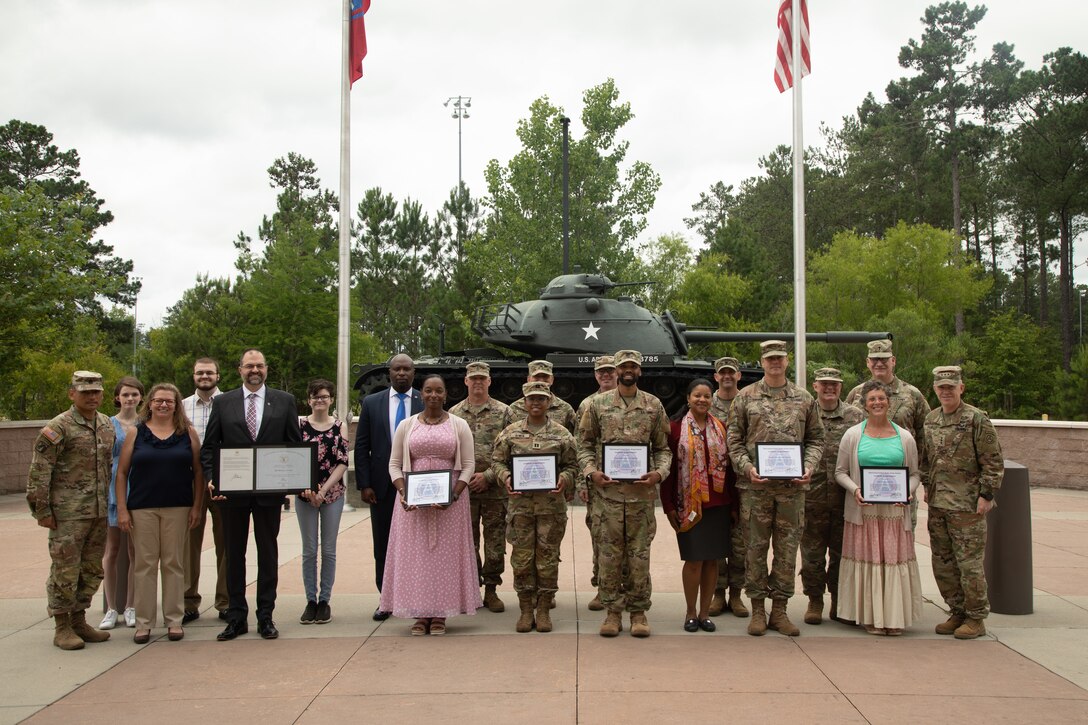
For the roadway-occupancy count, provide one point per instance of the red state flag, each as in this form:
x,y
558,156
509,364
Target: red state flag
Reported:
x,y
783,67
358,38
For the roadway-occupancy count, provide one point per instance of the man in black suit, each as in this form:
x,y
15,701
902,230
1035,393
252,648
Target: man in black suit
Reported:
x,y
382,413
252,414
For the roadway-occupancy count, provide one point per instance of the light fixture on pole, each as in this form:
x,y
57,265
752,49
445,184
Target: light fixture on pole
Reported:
x,y
135,326
461,104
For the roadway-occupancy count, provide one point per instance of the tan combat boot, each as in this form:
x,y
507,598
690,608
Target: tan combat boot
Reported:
x,y
639,626
543,612
717,603
951,625
758,626
525,621
613,624
492,601
736,604
595,603
815,612
970,629
84,631
64,637
780,620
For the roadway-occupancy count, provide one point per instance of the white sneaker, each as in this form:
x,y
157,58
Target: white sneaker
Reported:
x,y
130,617
110,620
348,508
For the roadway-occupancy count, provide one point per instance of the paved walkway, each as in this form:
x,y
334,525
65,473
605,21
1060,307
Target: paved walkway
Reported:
x,y
1030,668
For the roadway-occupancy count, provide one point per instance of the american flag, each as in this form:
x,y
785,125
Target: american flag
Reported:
x,y
783,66
358,38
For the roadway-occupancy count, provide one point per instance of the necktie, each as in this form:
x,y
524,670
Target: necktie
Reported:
x,y
400,410
251,415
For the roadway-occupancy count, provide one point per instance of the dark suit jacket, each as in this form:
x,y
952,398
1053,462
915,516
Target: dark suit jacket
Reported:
x,y
373,442
227,427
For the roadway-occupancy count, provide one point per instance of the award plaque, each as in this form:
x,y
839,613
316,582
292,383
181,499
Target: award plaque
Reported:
x,y
885,484
780,461
534,472
428,488
266,470
625,461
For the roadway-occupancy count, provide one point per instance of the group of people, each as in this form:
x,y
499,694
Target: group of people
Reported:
x,y
149,472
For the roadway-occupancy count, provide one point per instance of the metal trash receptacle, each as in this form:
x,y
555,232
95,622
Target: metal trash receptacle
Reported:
x,y
1008,545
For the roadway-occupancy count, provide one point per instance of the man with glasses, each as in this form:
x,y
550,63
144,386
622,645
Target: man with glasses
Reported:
x,y
198,409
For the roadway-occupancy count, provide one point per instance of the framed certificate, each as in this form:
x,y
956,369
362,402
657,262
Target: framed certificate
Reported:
x,y
885,484
625,461
783,461
266,470
534,472
428,488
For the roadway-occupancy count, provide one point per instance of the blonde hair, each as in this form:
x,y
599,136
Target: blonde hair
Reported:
x,y
181,422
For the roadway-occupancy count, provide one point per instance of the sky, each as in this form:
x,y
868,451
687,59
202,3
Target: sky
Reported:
x,y
178,109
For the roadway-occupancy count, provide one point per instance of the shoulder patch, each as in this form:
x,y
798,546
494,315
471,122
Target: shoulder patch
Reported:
x,y
51,435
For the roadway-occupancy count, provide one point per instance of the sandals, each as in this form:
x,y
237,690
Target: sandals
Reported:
x,y
874,630
420,627
893,632
142,637
438,626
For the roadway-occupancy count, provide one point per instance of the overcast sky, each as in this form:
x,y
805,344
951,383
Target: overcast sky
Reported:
x,y
178,109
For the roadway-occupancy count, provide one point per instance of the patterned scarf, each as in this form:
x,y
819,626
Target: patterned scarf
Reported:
x,y
695,475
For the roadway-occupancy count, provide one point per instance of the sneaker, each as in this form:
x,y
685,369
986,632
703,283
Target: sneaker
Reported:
x,y
309,613
348,508
130,617
110,620
324,613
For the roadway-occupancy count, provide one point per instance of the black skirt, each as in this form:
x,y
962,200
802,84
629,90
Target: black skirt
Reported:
x,y
708,539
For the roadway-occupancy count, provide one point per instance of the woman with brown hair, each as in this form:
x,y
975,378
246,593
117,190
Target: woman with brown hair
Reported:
x,y
127,396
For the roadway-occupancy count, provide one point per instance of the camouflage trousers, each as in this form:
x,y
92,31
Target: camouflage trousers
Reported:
x,y
774,519
627,529
534,555
731,568
958,542
821,547
491,513
593,522
76,547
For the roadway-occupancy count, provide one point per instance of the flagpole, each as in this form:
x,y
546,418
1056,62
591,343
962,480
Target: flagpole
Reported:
x,y
799,316
343,343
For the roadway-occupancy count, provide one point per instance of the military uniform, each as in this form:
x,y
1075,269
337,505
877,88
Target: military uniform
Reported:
x,y
69,476
730,569
489,506
965,464
560,411
593,505
907,406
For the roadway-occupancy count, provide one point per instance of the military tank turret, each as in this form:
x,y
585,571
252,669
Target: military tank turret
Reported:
x,y
574,320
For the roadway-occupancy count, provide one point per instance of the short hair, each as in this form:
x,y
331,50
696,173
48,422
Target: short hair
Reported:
x,y
697,382
181,422
211,361
247,351
126,382
319,384
870,386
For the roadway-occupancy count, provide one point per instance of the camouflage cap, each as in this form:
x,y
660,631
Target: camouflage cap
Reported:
x,y
537,387
86,380
626,356
726,362
831,375
773,348
880,348
604,362
478,370
947,375
540,366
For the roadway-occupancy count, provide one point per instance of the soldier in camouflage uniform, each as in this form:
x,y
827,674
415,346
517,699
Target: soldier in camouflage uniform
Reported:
x,y
821,542
486,417
774,410
537,519
66,491
560,410
966,468
604,370
628,520
907,406
730,569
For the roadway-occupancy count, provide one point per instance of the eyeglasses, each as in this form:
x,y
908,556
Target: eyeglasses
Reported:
x,y
204,374
253,366
321,398
167,402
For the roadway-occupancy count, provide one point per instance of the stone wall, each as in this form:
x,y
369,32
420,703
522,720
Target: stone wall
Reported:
x,y
16,442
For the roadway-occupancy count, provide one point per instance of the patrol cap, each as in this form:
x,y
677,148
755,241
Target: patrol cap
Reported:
x,y
604,362
947,375
829,374
773,348
626,356
477,370
86,380
536,387
880,348
540,366
726,362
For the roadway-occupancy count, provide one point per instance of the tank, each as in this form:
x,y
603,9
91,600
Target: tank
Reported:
x,y
574,320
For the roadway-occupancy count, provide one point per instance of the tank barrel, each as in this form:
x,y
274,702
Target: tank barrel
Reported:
x,y
835,338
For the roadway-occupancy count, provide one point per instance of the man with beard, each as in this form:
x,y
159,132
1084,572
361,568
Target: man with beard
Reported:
x,y
604,370
251,415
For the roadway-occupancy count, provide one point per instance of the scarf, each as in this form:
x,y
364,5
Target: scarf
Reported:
x,y
695,474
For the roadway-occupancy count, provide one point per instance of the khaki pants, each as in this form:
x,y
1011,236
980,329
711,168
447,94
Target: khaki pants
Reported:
x,y
194,549
158,535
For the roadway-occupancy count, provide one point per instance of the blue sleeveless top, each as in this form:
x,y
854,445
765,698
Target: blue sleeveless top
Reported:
x,y
161,474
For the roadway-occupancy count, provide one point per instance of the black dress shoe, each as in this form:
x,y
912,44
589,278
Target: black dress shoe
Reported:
x,y
691,625
223,616
380,616
190,616
267,629
232,630
707,625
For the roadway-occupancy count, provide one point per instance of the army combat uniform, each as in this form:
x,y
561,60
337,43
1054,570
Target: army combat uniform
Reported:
x,y
731,569
593,506
560,411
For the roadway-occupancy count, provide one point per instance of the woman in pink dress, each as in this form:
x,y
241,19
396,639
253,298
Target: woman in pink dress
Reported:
x,y
430,567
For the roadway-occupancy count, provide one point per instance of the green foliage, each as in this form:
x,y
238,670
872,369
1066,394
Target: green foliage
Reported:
x,y
1070,393
665,261
1006,376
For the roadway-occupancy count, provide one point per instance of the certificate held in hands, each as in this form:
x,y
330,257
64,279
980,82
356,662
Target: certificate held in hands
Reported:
x,y
780,461
274,470
885,484
534,472
428,488
626,462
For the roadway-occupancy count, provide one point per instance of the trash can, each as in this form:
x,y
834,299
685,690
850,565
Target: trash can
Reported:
x,y
1008,545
